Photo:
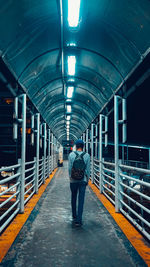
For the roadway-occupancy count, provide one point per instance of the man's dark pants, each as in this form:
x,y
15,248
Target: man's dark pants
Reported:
x,y
77,188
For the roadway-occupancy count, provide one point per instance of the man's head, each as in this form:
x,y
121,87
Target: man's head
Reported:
x,y
79,144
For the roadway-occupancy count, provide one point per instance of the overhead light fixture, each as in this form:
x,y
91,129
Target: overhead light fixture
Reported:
x,y
71,44
73,12
71,65
67,126
71,80
68,118
70,91
68,108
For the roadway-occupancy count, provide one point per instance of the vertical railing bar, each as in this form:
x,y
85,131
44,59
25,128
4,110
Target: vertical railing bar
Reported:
x,y
100,151
124,117
19,186
49,134
23,151
87,139
37,151
116,134
45,137
92,153
15,117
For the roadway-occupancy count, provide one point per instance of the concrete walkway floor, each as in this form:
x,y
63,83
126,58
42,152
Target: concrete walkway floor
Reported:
x,y
48,238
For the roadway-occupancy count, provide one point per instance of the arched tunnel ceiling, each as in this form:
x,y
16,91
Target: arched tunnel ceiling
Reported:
x,y
111,39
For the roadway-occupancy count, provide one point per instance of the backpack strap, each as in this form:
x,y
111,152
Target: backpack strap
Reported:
x,y
76,153
82,155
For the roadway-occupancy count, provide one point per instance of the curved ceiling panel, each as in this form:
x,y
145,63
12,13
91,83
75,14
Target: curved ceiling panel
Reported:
x,y
110,40
33,27
40,69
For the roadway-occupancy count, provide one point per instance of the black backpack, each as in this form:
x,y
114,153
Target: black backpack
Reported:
x,y
78,168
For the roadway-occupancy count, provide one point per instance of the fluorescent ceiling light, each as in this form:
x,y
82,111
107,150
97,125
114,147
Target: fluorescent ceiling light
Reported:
x,y
67,126
71,80
68,118
67,122
70,91
73,12
68,108
71,65
71,44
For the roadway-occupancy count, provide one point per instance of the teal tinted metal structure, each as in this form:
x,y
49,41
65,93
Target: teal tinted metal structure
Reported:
x,y
110,41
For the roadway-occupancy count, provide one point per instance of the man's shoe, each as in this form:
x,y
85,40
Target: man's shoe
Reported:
x,y
78,224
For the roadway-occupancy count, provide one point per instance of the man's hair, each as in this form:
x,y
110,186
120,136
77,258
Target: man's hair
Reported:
x,y
79,146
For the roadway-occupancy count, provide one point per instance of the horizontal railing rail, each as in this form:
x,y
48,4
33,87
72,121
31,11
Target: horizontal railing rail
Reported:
x,y
9,194
29,187
135,196
134,191
10,186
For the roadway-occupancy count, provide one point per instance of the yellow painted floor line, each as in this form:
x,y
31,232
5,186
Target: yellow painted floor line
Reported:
x,y
135,238
9,235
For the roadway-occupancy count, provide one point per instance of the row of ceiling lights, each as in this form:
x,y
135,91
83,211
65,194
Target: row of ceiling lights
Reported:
x,y
73,21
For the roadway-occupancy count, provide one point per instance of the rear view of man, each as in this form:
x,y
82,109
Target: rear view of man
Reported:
x,y
79,173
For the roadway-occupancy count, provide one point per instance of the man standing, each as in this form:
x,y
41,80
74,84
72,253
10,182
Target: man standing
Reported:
x,y
79,173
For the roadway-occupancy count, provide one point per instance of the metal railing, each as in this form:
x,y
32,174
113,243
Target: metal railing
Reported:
x,y
30,176
9,194
108,182
41,172
138,164
134,191
135,196
10,186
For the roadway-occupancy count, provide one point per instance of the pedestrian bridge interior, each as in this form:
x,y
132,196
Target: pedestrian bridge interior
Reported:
x,y
69,70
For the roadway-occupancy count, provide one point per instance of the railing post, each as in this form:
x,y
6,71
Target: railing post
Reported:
x,y
19,186
37,151
45,137
149,158
43,168
51,153
102,175
100,151
96,134
124,120
116,134
87,139
49,135
121,188
84,140
101,132
92,153
32,130
35,175
124,137
15,117
23,151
